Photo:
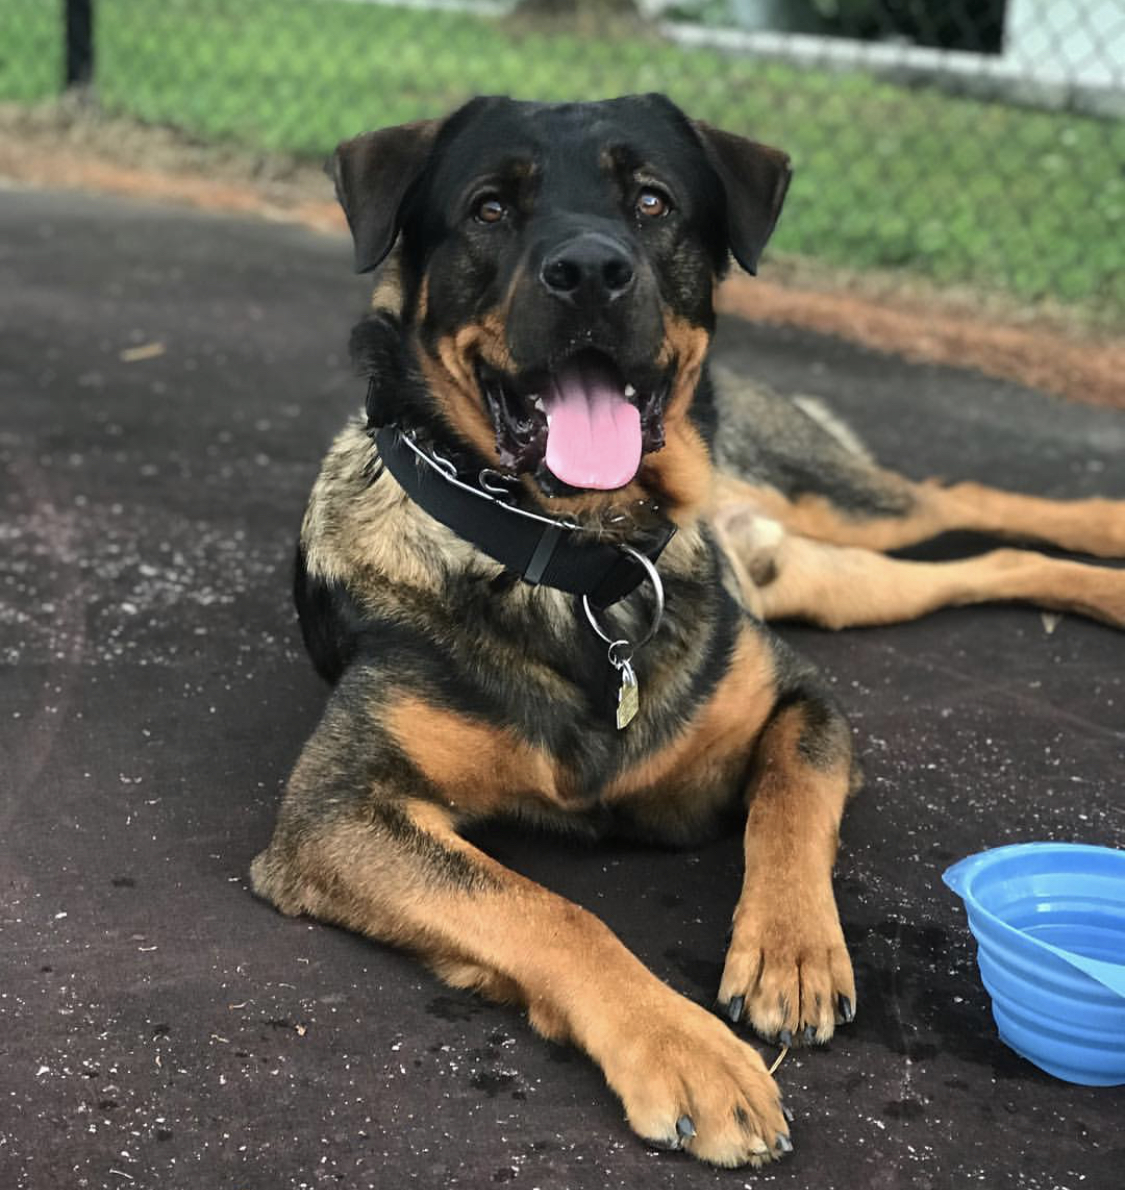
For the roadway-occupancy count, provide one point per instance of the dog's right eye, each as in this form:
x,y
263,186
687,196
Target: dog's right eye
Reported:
x,y
489,209
652,203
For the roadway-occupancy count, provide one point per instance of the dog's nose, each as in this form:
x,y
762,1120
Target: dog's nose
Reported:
x,y
590,268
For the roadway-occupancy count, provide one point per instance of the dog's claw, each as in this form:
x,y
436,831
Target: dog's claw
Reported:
x,y
685,1129
785,1038
784,1144
786,1113
734,1008
810,1034
847,1012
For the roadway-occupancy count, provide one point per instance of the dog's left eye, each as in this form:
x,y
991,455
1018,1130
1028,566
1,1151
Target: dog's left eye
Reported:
x,y
652,203
489,209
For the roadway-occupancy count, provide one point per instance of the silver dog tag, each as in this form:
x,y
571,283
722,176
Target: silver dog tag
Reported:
x,y
628,696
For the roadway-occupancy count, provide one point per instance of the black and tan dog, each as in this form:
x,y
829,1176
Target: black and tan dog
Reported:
x,y
547,476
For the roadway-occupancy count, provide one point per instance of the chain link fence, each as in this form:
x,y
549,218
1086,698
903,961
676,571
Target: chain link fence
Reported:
x,y
977,142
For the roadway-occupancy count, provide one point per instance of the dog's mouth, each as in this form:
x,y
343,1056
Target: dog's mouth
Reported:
x,y
583,418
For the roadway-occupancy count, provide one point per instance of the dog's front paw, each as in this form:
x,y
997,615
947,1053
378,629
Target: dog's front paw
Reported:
x,y
788,975
687,1082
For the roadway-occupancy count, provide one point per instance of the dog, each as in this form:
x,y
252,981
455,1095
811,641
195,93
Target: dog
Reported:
x,y
539,571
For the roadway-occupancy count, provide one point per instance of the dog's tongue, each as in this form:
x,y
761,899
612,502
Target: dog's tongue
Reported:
x,y
593,433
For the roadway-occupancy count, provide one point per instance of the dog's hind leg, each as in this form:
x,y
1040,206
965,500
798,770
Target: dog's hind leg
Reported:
x,y
793,462
1092,526
791,577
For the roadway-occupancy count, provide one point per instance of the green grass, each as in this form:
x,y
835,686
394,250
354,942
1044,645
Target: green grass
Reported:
x,y
958,190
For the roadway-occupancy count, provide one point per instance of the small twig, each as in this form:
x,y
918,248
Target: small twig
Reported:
x,y
779,1059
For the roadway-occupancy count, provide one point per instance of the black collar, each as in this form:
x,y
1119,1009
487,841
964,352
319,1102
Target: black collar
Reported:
x,y
538,549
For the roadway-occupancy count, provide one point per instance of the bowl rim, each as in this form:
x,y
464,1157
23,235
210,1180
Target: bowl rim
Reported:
x,y
960,875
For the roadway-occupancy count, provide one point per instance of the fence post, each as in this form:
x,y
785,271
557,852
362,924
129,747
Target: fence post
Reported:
x,y
79,43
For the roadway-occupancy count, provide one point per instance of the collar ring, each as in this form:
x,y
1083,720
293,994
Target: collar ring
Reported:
x,y
653,576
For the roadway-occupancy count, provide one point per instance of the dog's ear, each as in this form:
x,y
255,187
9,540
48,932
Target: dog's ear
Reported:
x,y
374,173
755,178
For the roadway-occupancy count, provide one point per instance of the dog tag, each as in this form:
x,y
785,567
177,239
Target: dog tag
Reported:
x,y
628,696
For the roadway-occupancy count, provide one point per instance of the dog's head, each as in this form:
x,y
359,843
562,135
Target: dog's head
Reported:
x,y
556,267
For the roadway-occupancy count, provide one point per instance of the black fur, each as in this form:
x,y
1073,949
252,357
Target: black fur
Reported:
x,y
561,172
562,169
526,239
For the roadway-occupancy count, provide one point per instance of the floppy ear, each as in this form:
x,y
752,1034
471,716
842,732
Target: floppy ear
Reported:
x,y
755,178
374,173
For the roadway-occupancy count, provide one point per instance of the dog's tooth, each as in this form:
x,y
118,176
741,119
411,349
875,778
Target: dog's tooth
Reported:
x,y
538,403
630,391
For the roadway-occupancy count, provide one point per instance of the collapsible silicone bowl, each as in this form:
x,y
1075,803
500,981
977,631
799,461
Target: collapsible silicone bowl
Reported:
x,y
1049,919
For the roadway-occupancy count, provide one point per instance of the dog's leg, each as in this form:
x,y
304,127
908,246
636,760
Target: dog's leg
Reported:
x,y
1092,526
923,510
809,473
790,577
787,969
391,866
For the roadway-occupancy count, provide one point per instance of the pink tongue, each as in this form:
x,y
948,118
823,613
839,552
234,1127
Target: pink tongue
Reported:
x,y
593,433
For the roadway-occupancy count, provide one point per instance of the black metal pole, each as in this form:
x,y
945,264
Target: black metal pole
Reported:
x,y
79,43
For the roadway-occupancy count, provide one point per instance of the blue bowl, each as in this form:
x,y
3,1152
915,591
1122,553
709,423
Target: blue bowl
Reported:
x,y
1049,920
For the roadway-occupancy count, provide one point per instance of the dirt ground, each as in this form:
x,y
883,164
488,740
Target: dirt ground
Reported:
x,y
70,146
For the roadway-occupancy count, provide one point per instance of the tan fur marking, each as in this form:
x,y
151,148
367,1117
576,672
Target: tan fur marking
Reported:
x,y
681,473
817,517
453,382
686,345
461,405
719,734
729,490
478,768
814,516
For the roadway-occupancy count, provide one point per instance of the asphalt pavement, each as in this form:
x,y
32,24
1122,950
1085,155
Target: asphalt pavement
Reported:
x,y
168,382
